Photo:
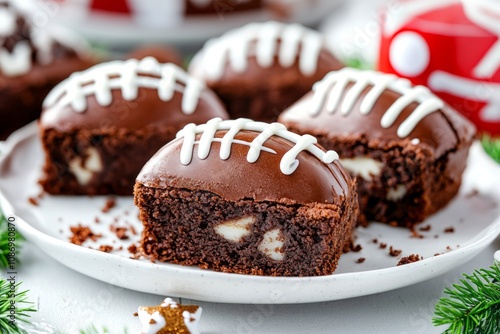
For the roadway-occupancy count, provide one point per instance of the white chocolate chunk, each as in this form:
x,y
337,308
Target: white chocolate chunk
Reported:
x,y
192,320
363,167
272,244
84,172
151,323
396,193
235,229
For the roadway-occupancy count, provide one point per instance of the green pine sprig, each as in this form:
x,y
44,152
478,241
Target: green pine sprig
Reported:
x,y
473,305
492,147
14,307
5,243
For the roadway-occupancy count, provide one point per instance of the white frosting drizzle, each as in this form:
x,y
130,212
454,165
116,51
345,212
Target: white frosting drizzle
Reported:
x,y
272,39
289,162
127,76
331,89
485,14
19,61
151,323
192,320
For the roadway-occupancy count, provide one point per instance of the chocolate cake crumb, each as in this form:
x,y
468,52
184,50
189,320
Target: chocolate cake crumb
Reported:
x,y
82,234
437,254
409,259
33,201
360,260
121,232
136,314
436,236
382,245
97,220
356,248
105,248
448,248
394,252
449,230
132,249
110,204
425,228
415,234
375,241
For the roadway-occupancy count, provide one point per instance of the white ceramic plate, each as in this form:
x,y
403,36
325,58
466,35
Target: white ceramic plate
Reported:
x,y
473,215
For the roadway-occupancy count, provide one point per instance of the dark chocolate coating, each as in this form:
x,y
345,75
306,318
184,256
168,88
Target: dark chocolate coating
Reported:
x,y
235,178
437,131
146,110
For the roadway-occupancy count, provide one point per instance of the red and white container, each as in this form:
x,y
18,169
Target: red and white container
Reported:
x,y
451,46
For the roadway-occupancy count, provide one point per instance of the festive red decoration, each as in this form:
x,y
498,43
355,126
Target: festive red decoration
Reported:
x,y
114,6
451,46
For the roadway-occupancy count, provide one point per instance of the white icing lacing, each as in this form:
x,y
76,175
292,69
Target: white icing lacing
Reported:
x,y
233,48
19,60
332,88
151,323
289,162
128,76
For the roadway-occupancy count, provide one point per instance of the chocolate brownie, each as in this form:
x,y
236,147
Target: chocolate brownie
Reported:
x,y
260,69
246,197
99,127
405,146
32,61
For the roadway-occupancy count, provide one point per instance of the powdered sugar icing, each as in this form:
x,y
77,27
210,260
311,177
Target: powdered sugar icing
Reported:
x,y
128,76
289,162
272,39
333,92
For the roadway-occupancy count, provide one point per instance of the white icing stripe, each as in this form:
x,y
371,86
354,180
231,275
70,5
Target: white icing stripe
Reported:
x,y
485,13
127,76
272,40
289,162
151,323
333,87
7,22
169,302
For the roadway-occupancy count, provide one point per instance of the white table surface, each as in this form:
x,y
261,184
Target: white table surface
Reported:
x,y
69,301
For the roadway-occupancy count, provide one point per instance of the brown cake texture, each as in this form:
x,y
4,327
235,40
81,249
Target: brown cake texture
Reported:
x,y
221,7
32,61
170,318
406,148
99,127
246,197
260,69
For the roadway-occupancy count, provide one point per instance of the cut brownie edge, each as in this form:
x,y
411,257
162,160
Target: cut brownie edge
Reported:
x,y
87,162
195,227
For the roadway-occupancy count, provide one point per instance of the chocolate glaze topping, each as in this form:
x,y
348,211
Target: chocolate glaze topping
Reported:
x,y
235,178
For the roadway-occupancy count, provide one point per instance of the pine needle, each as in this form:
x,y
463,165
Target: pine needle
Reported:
x,y
473,305
14,307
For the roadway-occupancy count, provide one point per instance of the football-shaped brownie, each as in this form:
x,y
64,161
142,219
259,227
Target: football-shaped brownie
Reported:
x,y
406,147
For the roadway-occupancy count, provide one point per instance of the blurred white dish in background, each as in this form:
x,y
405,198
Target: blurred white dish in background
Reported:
x,y
124,23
